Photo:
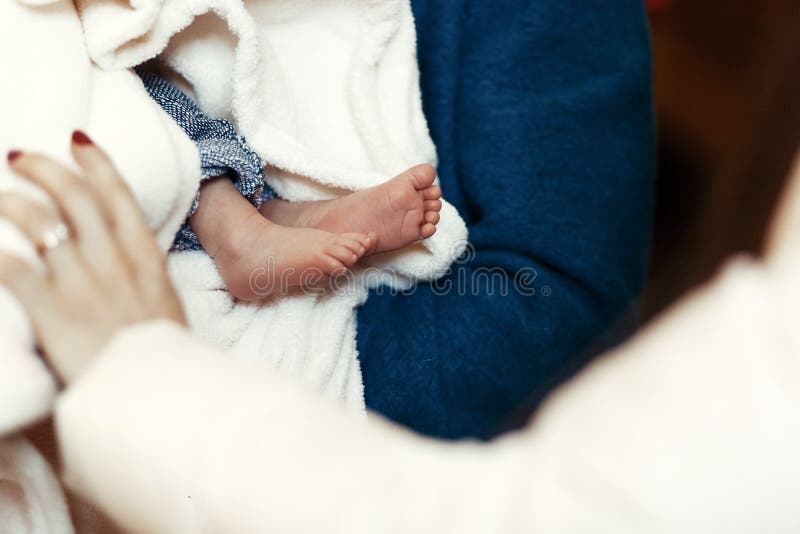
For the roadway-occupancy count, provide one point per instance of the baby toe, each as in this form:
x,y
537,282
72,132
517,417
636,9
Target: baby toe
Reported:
x,y
370,242
427,230
422,176
432,217
433,192
367,241
330,264
432,205
342,253
356,246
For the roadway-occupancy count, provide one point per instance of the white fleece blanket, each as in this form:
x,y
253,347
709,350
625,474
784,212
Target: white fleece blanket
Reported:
x,y
326,92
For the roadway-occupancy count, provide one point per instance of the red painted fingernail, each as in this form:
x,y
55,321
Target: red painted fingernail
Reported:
x,y
80,138
12,155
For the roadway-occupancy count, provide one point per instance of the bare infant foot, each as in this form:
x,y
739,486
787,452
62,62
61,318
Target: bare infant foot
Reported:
x,y
403,210
266,258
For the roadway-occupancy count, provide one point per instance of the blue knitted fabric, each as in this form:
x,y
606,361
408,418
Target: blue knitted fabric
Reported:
x,y
223,152
541,112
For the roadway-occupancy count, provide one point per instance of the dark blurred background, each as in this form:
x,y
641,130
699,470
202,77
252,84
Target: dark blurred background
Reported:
x,y
717,66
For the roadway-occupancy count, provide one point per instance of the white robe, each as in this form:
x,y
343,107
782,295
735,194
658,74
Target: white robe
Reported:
x,y
692,427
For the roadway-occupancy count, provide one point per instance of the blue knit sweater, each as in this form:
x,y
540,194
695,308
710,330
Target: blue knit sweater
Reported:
x,y
541,111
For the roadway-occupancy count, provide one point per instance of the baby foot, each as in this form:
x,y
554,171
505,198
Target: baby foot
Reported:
x,y
399,212
272,258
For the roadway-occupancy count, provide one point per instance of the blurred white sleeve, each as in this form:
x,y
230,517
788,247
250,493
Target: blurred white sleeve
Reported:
x,y
692,427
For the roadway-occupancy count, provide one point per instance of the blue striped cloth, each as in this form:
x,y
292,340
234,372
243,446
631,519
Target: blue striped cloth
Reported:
x,y
223,152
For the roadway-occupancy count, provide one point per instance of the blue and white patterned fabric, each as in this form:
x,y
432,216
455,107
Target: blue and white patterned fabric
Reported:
x,y
223,152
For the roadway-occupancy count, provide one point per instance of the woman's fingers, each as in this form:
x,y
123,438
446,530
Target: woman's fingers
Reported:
x,y
118,272
116,200
42,227
119,207
69,192
110,231
30,287
80,209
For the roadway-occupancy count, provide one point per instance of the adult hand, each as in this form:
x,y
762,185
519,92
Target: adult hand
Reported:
x,y
104,270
